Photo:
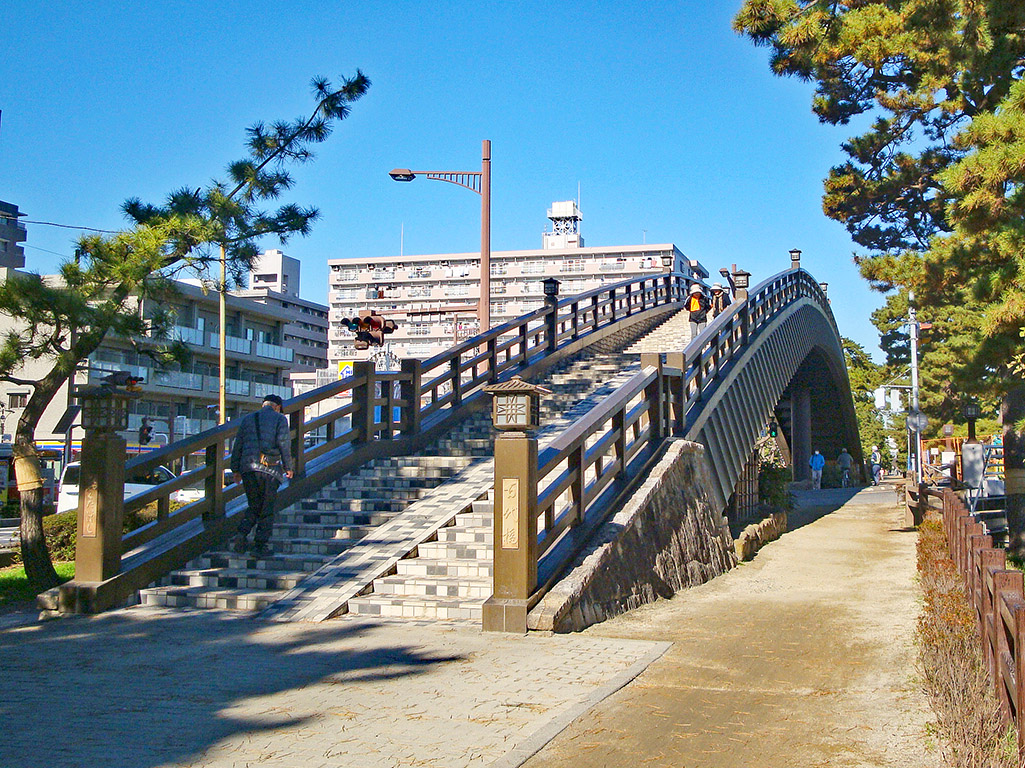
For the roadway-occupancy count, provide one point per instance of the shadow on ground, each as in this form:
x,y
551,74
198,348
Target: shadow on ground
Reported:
x,y
135,689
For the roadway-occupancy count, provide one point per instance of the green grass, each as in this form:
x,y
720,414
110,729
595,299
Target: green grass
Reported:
x,y
14,586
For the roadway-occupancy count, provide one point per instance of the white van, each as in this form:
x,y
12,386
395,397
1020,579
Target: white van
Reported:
x,y
134,485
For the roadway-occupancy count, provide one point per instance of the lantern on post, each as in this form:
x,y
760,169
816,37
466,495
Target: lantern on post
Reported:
x,y
551,288
517,405
101,494
795,258
741,280
515,411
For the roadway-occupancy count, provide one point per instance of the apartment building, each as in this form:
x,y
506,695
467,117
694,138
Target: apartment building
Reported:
x,y
274,281
180,400
433,298
12,232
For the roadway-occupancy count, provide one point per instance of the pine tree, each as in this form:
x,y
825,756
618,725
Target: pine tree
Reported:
x,y
63,321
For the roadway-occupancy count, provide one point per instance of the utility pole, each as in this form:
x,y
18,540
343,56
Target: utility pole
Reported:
x,y
916,422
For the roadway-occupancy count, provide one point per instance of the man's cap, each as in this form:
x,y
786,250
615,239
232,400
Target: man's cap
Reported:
x,y
273,399
695,288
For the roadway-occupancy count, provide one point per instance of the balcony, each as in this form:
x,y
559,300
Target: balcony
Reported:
x,y
262,390
613,266
178,380
275,352
232,344
188,335
100,368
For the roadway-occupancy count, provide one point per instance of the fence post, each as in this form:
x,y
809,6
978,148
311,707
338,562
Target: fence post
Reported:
x,y
1006,583
594,312
653,394
363,397
214,484
456,380
411,382
492,347
612,304
552,323
515,533
678,390
296,421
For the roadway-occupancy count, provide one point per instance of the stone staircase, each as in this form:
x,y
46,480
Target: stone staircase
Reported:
x,y
673,335
451,577
448,578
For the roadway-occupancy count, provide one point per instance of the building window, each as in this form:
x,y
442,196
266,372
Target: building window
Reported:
x,y
18,399
263,278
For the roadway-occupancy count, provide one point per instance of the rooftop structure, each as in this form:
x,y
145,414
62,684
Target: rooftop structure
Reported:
x,y
12,232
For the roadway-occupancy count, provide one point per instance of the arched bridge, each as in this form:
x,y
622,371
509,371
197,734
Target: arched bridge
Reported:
x,y
774,354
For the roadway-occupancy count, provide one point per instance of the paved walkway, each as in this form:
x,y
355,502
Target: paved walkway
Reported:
x,y
799,658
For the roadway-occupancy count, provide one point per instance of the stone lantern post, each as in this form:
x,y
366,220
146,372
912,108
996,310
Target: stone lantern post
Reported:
x,y
515,412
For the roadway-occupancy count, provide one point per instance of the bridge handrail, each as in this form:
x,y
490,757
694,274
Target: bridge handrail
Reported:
x,y
427,391
587,470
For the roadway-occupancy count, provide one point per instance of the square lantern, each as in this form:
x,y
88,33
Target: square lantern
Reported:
x,y
669,260
551,286
741,279
104,409
972,410
517,404
795,258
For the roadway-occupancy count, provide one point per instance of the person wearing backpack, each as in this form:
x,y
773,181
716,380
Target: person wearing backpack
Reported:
x,y
698,306
260,459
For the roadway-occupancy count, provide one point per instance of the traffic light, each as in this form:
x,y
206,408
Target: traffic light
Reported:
x,y
773,429
370,328
145,431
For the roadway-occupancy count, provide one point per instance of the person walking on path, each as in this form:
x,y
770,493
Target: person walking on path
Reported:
x,y
877,465
720,299
844,461
698,306
816,462
260,459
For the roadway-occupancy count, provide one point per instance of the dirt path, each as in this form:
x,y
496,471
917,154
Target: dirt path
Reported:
x,y
802,657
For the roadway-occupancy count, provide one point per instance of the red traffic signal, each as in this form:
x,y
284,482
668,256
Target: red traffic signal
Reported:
x,y
370,328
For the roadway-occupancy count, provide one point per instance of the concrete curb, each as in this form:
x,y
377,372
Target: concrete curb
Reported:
x,y
537,740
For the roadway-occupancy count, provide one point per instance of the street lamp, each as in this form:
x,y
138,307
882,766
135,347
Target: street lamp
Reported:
x,y
795,258
971,411
4,413
481,184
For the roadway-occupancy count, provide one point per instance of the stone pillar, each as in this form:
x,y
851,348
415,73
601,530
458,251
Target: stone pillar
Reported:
x,y
515,533
100,507
800,429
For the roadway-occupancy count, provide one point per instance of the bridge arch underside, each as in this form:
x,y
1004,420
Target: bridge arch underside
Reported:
x,y
800,346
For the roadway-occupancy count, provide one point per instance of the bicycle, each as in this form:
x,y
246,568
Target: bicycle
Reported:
x,y
845,479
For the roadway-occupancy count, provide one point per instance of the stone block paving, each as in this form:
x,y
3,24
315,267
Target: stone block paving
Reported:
x,y
149,687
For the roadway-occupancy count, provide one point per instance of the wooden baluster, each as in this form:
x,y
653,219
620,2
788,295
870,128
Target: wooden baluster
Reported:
x,y
411,386
297,425
214,483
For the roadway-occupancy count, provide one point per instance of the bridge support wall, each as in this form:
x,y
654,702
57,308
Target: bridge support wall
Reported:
x,y
800,442
668,536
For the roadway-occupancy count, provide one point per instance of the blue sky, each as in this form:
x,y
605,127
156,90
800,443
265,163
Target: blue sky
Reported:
x,y
671,125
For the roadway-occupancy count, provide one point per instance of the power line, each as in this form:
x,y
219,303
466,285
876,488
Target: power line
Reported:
x,y
54,224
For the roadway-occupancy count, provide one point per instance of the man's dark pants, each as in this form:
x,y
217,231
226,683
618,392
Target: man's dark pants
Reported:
x,y
261,491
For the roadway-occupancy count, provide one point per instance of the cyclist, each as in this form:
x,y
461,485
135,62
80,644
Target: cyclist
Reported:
x,y
845,461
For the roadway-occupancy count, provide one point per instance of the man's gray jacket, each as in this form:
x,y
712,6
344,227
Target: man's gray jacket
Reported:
x,y
271,438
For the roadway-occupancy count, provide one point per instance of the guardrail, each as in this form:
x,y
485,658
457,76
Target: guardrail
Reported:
x,y
592,466
997,595
372,414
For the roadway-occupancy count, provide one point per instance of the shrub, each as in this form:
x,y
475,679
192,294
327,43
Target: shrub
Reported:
x,y
950,652
772,485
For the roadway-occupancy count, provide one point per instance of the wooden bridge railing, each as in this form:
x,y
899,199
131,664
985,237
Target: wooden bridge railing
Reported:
x,y
368,415
592,466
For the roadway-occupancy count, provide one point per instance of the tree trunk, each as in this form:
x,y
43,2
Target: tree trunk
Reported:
x,y
1012,411
34,554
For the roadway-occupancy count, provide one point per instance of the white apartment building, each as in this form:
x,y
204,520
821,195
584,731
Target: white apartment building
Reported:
x,y
433,298
274,281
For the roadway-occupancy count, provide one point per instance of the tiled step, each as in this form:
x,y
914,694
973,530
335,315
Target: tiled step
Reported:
x,y
275,562
468,589
236,578
447,568
204,597
442,609
447,550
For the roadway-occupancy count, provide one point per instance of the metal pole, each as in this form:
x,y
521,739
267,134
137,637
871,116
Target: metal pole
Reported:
x,y
222,361
484,308
913,322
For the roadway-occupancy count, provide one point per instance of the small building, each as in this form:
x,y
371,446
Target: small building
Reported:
x,y
12,232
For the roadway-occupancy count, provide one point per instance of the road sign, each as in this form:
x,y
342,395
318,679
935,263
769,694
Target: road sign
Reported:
x,y
917,421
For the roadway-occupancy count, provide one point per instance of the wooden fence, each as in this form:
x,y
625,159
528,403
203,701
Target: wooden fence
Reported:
x,y
997,595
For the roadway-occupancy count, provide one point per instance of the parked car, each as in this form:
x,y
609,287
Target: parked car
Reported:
x,y
134,484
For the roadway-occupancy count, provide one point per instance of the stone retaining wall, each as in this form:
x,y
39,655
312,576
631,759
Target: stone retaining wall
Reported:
x,y
667,537
757,535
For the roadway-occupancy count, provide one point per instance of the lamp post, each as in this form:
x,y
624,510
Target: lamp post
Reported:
x,y
222,383
971,412
4,413
916,423
481,184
